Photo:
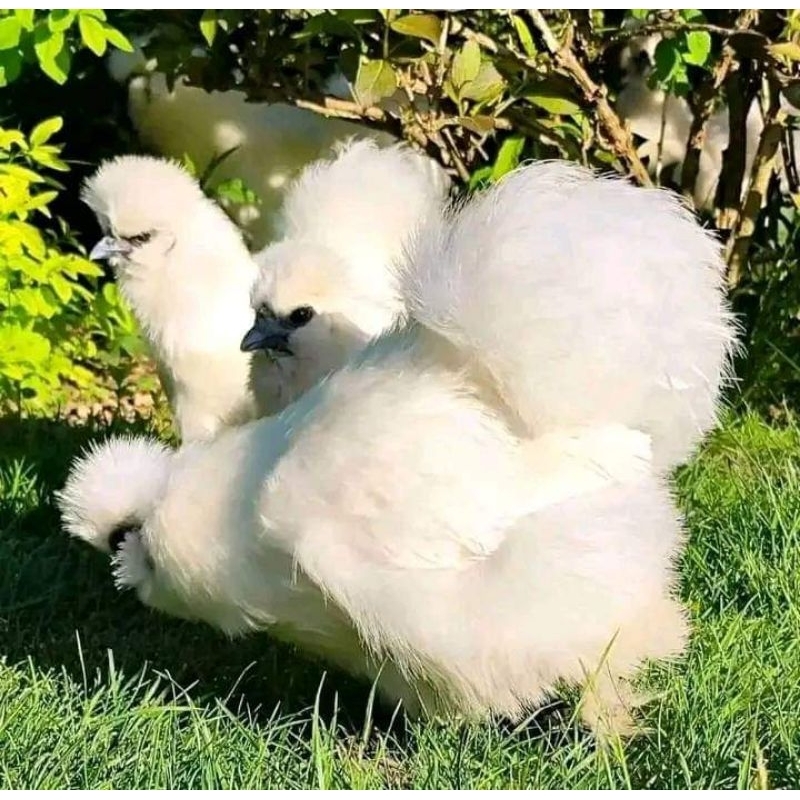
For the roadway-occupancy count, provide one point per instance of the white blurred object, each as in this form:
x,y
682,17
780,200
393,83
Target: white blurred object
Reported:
x,y
273,141
664,121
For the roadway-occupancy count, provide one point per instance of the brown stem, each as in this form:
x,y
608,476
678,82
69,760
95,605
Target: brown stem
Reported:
x,y
760,176
596,96
740,91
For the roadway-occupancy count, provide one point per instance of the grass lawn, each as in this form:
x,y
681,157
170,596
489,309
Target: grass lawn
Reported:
x,y
98,692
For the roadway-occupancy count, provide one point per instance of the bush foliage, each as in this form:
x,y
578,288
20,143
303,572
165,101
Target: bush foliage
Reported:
x,y
56,321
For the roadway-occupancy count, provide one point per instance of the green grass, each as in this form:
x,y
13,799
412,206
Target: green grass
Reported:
x,y
96,691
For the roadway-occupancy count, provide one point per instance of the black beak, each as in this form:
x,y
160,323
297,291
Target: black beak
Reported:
x,y
267,334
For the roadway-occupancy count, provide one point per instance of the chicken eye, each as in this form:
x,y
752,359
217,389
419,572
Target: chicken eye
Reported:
x,y
139,239
301,316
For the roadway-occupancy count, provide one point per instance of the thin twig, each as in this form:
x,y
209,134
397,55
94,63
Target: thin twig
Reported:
x,y
610,123
462,171
677,27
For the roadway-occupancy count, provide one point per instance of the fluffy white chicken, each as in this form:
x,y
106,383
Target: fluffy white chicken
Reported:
x,y
332,280
184,269
391,514
272,141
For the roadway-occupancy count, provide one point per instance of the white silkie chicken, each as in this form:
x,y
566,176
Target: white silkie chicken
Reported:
x,y
589,300
391,514
267,144
184,269
332,279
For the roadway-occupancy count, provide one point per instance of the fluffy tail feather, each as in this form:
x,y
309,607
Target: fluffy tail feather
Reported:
x,y
588,300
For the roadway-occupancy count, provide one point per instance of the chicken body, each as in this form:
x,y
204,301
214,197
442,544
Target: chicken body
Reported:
x,y
389,515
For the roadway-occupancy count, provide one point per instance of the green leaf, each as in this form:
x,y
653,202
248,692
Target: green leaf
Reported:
x,y
524,34
47,156
639,13
466,64
10,137
118,39
25,17
487,85
35,302
667,61
554,97
10,66
357,16
698,48
93,34
692,15
420,26
235,190
96,13
481,176
189,165
40,201
23,173
208,25
45,129
60,19
508,156
51,51
10,32
374,82
62,287
480,124
555,105
18,345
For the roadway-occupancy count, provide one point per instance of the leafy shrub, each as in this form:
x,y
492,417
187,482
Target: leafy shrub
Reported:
x,y
60,325
50,38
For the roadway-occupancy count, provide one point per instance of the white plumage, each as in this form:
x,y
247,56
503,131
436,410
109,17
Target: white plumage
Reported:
x,y
345,226
184,269
392,512
589,301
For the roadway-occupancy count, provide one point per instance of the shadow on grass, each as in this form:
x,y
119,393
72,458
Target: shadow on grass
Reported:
x,y
58,606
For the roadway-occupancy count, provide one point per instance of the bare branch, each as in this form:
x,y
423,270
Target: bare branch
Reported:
x,y
596,96
702,102
762,172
